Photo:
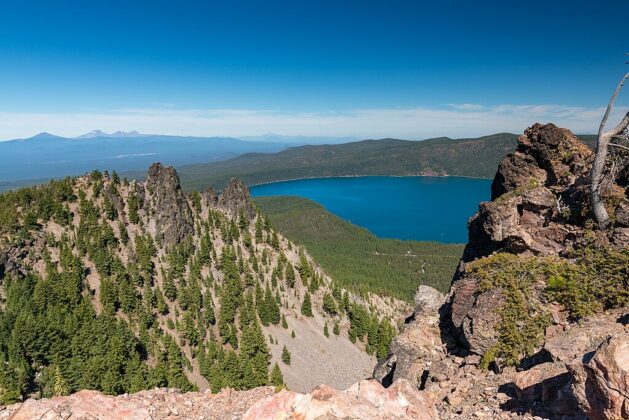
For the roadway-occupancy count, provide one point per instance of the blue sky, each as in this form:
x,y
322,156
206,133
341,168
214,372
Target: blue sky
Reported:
x,y
363,68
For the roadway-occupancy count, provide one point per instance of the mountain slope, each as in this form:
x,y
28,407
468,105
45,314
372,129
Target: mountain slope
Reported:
x,y
119,287
443,156
355,257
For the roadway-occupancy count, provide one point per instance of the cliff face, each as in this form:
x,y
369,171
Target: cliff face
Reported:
x,y
533,266
540,199
170,217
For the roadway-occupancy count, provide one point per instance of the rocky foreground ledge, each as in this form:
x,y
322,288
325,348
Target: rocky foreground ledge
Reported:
x,y
363,400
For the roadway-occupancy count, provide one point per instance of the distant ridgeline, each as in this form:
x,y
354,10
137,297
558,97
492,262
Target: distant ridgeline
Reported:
x,y
121,286
473,157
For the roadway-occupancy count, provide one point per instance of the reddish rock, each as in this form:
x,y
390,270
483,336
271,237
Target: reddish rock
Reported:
x,y
601,385
539,381
364,400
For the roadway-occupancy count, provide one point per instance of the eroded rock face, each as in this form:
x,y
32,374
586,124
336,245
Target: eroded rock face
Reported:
x,y
601,384
538,197
235,198
539,207
364,400
169,215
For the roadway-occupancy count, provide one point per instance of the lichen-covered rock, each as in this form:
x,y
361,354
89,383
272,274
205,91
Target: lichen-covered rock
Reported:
x,y
601,384
235,198
364,400
167,210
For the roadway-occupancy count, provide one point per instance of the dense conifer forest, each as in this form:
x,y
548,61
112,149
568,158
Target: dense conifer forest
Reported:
x,y
355,257
96,294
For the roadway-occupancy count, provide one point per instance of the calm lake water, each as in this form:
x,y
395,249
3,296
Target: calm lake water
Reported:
x,y
420,208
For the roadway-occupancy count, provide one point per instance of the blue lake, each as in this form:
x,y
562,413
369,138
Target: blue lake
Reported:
x,y
420,208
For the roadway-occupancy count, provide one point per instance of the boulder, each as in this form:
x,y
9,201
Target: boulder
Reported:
x,y
479,325
419,343
579,339
539,381
601,385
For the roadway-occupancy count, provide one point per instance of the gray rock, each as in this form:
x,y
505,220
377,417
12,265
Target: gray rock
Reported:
x,y
169,215
235,198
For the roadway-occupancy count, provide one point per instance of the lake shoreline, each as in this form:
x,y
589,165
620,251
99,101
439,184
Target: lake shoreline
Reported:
x,y
365,176
421,208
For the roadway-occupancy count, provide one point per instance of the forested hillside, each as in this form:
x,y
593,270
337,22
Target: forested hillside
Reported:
x,y
121,286
477,157
355,257
473,157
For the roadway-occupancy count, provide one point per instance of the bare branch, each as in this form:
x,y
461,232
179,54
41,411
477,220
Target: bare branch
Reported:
x,y
619,145
622,126
611,105
600,158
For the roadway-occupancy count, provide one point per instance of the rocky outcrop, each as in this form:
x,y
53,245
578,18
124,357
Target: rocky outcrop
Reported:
x,y
417,345
539,207
155,404
538,197
235,198
601,384
169,215
364,400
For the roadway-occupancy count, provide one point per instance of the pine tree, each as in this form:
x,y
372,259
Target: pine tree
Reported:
x,y
329,305
325,330
285,356
60,386
133,204
336,330
255,356
290,275
284,323
259,229
306,306
277,379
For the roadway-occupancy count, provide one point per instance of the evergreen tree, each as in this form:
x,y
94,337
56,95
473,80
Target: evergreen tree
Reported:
x,y
325,330
290,275
329,305
132,202
285,356
306,306
277,379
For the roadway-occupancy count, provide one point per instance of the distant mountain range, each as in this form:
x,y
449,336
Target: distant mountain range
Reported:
x,y
47,156
205,161
472,157
99,133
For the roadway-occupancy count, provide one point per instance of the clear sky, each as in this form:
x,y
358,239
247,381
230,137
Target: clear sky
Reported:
x,y
409,69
